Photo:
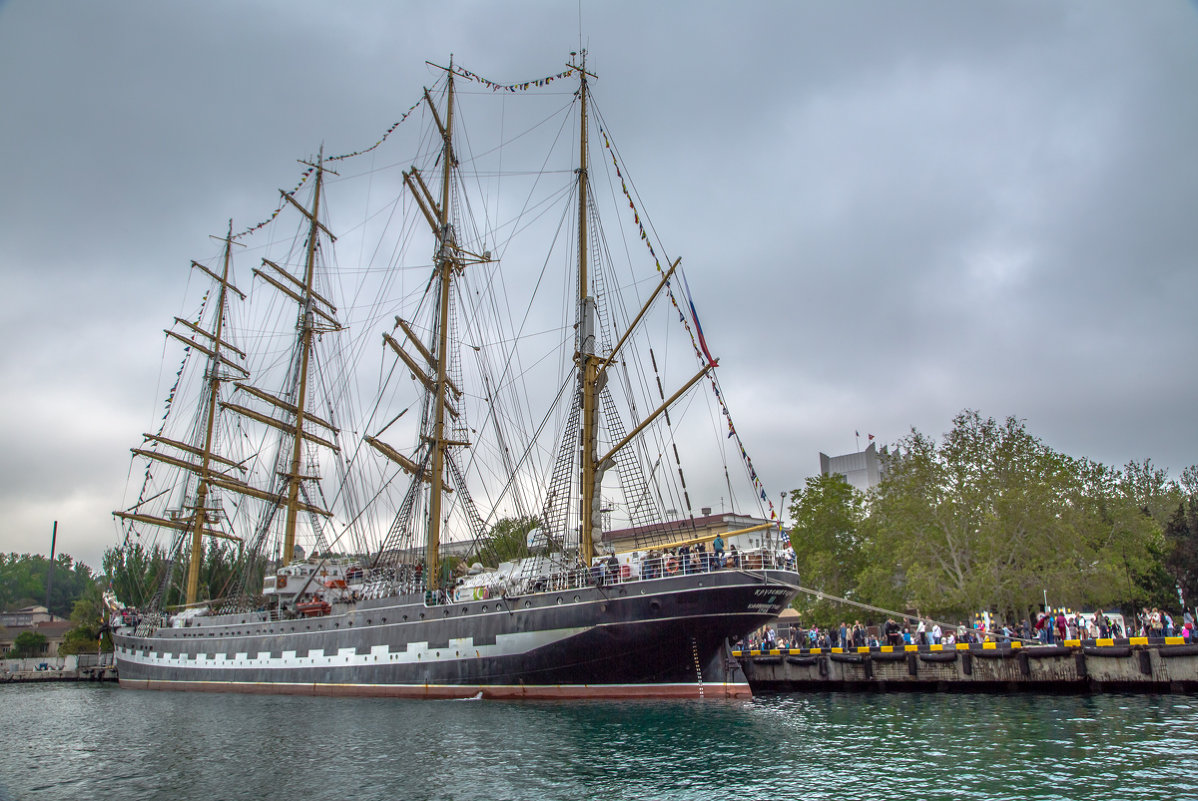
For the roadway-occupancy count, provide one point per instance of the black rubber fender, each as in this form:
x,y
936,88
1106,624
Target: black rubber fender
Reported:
x,y
1178,650
990,653
1042,651
1109,651
804,661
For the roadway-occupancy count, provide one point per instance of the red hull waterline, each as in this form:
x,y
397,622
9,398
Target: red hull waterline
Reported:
x,y
708,691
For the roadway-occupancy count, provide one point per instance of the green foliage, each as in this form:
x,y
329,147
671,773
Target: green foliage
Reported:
x,y
28,643
1181,549
990,518
993,517
136,573
506,541
88,617
23,581
827,515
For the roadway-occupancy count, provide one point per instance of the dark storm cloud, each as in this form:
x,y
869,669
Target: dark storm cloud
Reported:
x,y
888,212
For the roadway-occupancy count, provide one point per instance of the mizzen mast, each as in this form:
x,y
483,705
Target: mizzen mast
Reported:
x,y
316,315
307,328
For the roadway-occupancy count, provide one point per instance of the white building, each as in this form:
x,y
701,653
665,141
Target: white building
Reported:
x,y
861,470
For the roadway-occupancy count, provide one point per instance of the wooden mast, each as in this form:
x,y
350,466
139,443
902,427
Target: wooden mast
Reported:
x,y
209,468
214,379
294,477
446,264
590,476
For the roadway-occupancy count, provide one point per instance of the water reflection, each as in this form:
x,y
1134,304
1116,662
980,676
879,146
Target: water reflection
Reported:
x,y
71,741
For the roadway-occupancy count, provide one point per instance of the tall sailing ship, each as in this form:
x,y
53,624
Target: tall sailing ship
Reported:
x,y
490,499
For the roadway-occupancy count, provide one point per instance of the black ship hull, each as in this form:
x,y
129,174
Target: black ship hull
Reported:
x,y
664,637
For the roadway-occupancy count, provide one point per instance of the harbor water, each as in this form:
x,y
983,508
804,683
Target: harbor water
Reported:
x,y
72,741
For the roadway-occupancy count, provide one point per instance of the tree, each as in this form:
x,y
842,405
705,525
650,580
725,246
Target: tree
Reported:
x,y
506,541
88,617
1181,547
1124,539
827,514
1150,488
133,573
137,574
23,581
28,643
993,517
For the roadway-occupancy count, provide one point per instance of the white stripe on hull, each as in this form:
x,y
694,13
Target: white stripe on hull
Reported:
x,y
415,653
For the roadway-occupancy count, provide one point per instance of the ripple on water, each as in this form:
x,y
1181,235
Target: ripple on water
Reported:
x,y
72,741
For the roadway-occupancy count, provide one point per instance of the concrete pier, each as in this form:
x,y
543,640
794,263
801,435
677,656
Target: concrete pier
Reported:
x,y
1138,664
82,667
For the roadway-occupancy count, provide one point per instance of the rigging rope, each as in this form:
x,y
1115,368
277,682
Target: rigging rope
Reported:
x,y
512,87
279,208
697,342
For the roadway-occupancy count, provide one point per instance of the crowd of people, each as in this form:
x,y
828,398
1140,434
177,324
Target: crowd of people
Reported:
x,y
696,557
1050,628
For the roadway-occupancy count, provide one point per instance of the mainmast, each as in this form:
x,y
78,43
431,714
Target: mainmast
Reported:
x,y
591,475
429,363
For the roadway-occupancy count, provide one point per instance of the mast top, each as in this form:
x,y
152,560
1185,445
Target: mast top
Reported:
x,y
582,68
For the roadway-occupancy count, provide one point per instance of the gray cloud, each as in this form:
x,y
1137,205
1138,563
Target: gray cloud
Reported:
x,y
887,212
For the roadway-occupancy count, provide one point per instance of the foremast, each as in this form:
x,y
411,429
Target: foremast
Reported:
x,y
446,264
593,366
587,359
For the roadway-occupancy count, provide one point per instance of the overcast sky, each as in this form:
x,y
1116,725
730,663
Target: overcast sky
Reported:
x,y
889,212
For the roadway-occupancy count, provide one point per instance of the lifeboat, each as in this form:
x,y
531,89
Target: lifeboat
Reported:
x,y
316,608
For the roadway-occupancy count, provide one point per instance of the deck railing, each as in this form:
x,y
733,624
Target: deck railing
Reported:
x,y
650,567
